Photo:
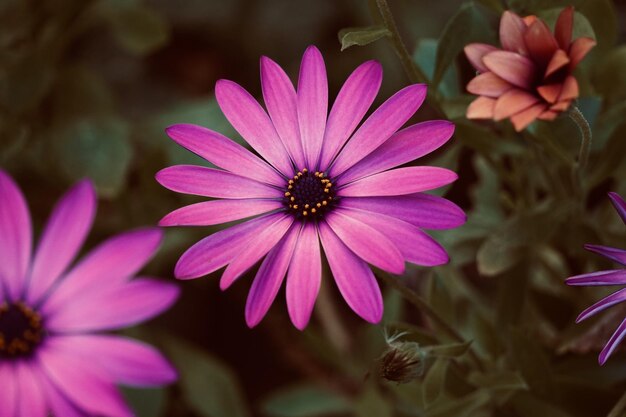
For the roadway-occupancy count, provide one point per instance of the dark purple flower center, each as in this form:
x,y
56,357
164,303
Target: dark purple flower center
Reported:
x,y
309,195
21,330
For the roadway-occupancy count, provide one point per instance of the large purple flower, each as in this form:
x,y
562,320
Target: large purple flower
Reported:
x,y
53,359
321,177
611,277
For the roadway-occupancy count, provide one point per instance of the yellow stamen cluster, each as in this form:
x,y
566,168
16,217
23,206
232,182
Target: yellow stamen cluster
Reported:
x,y
317,193
21,344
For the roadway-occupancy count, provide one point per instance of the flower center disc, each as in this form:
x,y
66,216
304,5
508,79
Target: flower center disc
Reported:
x,y
21,330
309,195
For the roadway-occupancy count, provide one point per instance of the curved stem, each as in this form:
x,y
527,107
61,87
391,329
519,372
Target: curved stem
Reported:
x,y
585,132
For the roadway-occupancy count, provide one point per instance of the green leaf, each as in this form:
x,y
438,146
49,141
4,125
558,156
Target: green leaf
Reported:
x,y
609,77
532,363
304,401
372,404
148,402
425,56
435,380
361,35
499,380
450,350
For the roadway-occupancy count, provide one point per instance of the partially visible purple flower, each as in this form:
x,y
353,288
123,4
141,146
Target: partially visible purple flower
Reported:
x,y
321,178
611,277
54,359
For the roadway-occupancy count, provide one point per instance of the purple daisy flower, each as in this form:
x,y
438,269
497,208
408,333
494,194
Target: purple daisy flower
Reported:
x,y
612,277
52,358
321,177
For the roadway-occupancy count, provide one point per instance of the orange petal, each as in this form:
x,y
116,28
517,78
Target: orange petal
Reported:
x,y
512,67
512,29
512,102
580,47
481,108
548,115
550,92
558,61
570,89
488,84
560,106
564,27
540,42
526,117
475,53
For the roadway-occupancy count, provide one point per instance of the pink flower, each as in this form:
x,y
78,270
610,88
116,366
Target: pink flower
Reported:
x,y
53,357
531,76
320,178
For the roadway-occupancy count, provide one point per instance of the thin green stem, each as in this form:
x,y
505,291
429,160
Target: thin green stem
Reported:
x,y
585,141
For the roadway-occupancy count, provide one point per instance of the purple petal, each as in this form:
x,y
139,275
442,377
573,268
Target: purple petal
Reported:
x,y
269,278
369,244
606,302
212,212
304,278
62,238
416,246
15,236
354,279
282,105
379,127
352,102
422,210
126,361
113,308
253,124
615,277
260,245
613,342
208,182
399,181
614,254
312,104
31,400
620,205
81,382
9,391
215,251
224,153
404,146
108,265
58,403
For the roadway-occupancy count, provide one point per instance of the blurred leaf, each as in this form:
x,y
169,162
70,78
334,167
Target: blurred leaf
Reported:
x,y
439,297
582,26
24,83
532,363
450,350
434,381
609,76
499,380
361,35
601,14
304,401
372,404
146,402
425,56
526,405
459,407
80,92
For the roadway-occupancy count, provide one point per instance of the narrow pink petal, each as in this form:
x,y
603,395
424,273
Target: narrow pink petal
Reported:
x,y
488,84
208,182
603,304
62,238
253,124
270,277
218,211
561,106
619,204
404,146
540,43
522,119
366,242
416,246
512,67
126,361
570,89
354,279
512,29
475,53
421,210
282,105
304,277
613,342
111,263
579,49
31,398
614,277
15,236
312,104
558,61
9,392
548,115
512,102
258,247
379,127
481,108
224,153
58,403
113,308
564,27
81,383
550,92
217,250
399,181
352,102
614,254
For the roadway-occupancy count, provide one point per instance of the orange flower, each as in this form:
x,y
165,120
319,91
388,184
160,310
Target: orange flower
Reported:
x,y
530,77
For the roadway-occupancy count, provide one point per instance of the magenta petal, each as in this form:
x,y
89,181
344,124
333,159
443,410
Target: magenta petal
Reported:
x,y
58,403
215,251
354,279
399,181
270,276
384,122
224,153
404,146
281,102
260,245
614,254
366,242
619,204
614,277
304,278
606,302
62,238
312,104
253,124
15,236
9,391
113,308
352,102
208,182
613,342
31,400
218,211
